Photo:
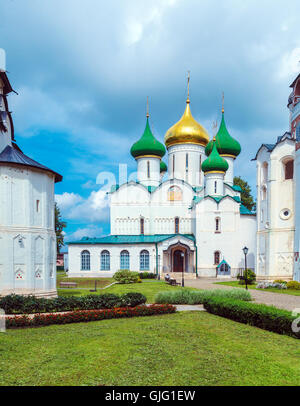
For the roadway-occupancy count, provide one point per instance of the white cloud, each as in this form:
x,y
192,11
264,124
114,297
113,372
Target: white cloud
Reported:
x,y
88,231
67,200
290,63
74,207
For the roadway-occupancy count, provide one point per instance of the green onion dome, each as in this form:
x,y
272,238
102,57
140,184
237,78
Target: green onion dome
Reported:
x,y
225,143
214,163
147,145
163,167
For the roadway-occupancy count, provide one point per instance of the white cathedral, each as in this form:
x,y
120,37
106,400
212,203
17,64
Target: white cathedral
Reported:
x,y
193,223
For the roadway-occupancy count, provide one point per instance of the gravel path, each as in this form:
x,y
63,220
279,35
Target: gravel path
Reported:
x,y
281,300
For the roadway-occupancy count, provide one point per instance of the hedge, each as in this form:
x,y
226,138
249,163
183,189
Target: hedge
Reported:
x,y
191,297
266,317
17,304
87,315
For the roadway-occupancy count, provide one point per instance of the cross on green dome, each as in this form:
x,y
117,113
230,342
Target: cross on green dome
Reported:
x,y
147,145
225,143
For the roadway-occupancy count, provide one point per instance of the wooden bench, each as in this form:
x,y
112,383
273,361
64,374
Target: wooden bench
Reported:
x,y
68,285
172,282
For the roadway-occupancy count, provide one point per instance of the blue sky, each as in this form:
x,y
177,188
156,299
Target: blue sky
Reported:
x,y
83,70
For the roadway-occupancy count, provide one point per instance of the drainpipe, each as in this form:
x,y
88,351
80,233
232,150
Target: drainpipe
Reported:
x,y
157,273
196,259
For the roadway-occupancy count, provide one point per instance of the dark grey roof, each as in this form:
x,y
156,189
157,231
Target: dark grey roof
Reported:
x,y
15,155
270,147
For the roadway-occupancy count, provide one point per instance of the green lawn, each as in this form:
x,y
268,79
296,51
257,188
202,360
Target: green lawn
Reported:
x,y
85,283
147,287
235,284
186,348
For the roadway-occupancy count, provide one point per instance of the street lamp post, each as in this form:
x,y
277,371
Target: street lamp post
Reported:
x,y
245,250
182,280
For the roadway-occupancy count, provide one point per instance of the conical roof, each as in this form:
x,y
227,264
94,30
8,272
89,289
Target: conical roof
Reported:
x,y
214,163
225,143
186,131
147,144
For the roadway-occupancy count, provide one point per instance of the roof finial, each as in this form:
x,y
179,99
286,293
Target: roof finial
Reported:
x,y
188,87
147,115
222,102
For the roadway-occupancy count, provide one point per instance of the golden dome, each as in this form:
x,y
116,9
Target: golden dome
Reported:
x,y
186,131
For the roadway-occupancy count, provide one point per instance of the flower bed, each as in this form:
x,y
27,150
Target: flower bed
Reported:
x,y
275,285
87,315
259,315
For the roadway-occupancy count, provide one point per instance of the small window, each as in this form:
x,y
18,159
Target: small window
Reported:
x,y
263,193
215,187
218,225
217,256
37,205
144,261
124,260
148,169
289,170
105,261
85,261
176,225
186,161
142,226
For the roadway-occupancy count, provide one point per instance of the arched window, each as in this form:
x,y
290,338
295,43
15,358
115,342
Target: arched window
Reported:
x,y
124,260
144,261
142,226
176,225
217,256
148,169
263,193
85,261
264,172
200,164
186,161
288,169
218,225
105,261
174,194
215,186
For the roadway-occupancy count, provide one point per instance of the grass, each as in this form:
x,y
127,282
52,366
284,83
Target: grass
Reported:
x,y
148,287
235,284
84,283
186,348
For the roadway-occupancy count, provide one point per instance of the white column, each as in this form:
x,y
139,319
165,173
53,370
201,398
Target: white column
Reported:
x,y
214,184
229,173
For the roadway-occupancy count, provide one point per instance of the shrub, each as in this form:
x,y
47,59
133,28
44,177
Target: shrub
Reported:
x,y
293,285
266,285
126,276
133,299
16,304
87,315
258,315
191,297
147,275
281,281
251,277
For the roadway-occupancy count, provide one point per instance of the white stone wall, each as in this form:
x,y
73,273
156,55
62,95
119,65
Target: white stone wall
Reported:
x,y
235,232
275,232
153,177
28,241
115,250
186,168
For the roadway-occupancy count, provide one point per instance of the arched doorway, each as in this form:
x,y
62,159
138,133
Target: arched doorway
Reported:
x,y
178,261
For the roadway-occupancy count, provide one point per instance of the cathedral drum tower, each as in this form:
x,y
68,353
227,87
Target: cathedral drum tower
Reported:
x,y
27,236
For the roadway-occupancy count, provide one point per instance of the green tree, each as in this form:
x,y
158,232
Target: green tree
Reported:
x,y
246,196
59,227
